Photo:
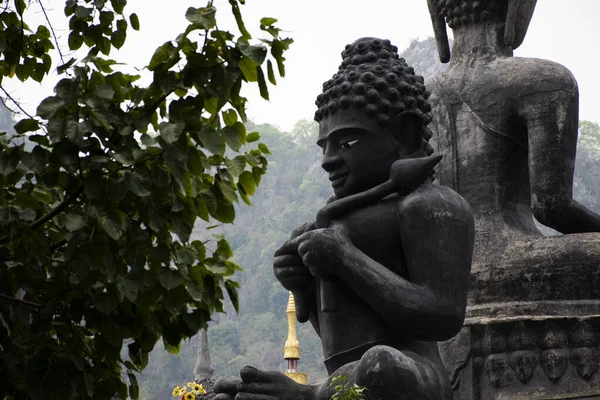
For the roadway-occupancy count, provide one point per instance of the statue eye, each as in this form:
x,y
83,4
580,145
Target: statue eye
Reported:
x,y
348,144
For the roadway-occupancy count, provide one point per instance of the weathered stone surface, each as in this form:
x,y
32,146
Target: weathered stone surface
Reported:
x,y
507,128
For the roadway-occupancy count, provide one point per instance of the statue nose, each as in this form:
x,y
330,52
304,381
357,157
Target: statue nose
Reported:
x,y
330,161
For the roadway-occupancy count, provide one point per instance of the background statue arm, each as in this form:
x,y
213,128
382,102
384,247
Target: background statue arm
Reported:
x,y
552,121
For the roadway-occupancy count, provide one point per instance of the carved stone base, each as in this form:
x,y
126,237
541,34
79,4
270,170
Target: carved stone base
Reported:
x,y
525,357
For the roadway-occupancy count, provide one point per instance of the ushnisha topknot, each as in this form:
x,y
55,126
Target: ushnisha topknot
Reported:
x,y
465,12
374,78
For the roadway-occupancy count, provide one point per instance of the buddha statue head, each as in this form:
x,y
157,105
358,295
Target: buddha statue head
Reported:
x,y
372,112
513,15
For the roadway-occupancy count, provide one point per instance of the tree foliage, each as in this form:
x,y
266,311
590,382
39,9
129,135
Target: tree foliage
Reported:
x,y
95,219
587,172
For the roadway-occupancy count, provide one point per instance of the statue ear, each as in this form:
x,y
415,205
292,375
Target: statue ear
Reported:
x,y
518,17
409,127
439,30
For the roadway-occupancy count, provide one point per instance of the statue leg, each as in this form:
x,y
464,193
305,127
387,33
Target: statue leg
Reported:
x,y
391,374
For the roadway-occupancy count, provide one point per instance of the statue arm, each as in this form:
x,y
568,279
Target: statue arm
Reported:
x,y
552,121
437,232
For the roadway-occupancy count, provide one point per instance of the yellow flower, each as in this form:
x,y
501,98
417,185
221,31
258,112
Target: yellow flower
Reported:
x,y
182,391
176,392
198,389
191,384
190,396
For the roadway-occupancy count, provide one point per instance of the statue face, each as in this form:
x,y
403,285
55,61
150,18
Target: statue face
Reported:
x,y
357,153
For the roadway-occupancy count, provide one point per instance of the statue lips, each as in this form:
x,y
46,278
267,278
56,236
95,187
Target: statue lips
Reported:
x,y
338,178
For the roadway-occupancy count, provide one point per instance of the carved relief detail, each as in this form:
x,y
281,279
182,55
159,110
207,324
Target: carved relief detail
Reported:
x,y
554,363
524,363
585,361
495,368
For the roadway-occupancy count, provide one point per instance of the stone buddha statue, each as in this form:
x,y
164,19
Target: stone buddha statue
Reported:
x,y
382,273
507,130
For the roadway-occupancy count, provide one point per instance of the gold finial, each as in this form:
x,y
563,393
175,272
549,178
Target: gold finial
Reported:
x,y
291,350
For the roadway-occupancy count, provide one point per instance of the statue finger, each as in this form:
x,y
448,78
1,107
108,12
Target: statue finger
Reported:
x,y
251,374
254,396
286,248
309,226
287,260
257,387
224,396
227,386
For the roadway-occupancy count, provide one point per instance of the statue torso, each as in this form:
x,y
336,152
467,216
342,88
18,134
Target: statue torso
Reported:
x,y
374,230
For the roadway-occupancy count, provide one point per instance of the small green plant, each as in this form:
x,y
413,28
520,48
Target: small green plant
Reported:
x,y
345,390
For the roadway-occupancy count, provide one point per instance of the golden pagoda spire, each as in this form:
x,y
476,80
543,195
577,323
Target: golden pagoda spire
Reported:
x,y
291,350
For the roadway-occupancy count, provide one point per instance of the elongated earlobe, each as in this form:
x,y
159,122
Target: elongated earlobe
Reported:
x,y
440,32
518,17
408,128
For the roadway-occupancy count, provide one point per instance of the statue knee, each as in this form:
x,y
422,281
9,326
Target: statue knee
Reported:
x,y
389,373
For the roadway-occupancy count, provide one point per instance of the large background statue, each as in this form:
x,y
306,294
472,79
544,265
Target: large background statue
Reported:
x,y
507,128
382,274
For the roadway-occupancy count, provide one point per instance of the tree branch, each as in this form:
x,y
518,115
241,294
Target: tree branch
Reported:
x,y
62,60
15,102
23,302
53,213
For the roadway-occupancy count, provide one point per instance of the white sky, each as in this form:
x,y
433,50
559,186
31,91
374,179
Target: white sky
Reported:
x,y
321,29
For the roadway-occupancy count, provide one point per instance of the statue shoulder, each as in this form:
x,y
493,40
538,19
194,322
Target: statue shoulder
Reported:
x,y
434,202
534,73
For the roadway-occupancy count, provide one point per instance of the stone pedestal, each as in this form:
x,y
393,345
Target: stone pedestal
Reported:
x,y
527,356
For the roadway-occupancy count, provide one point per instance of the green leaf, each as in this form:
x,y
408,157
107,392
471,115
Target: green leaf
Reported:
x,y
212,141
140,182
263,147
117,38
170,132
235,136
236,166
204,17
231,287
161,55
248,183
170,279
75,41
27,125
195,165
48,107
252,137
256,54
113,223
267,21
128,289
238,19
42,194
105,303
134,389
230,117
135,22
248,69
262,84
74,222
62,68
270,73
105,91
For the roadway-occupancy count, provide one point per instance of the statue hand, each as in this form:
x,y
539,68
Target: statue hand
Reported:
x,y
324,251
226,389
293,275
270,385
